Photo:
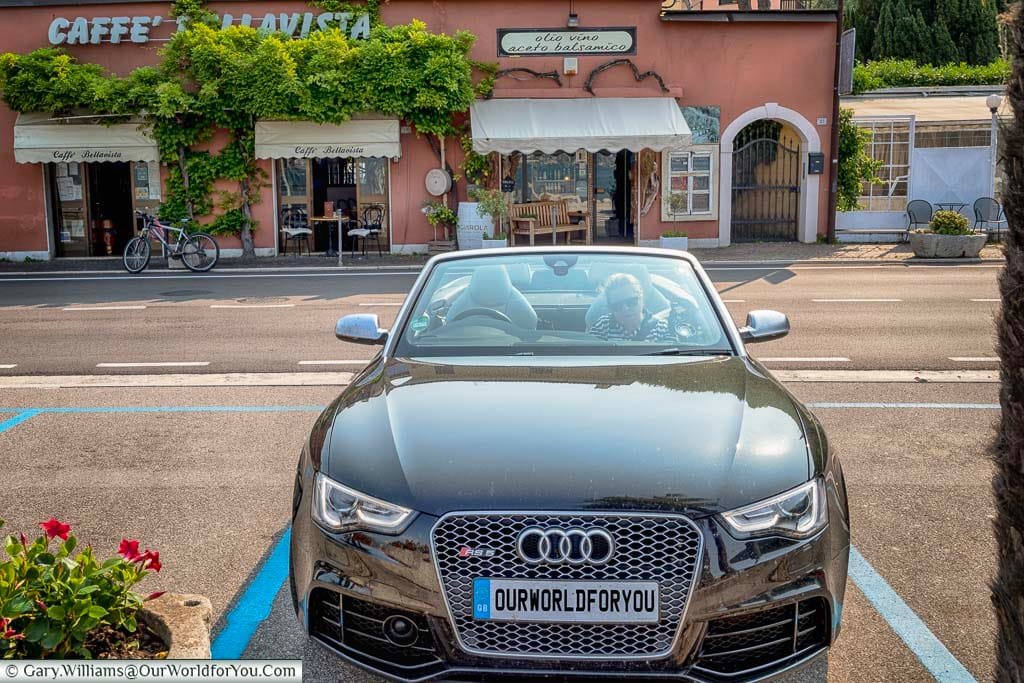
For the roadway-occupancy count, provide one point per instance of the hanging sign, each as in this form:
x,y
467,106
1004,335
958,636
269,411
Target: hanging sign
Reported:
x,y
541,42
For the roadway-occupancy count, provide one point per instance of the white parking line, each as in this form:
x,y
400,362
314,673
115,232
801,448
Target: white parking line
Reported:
x,y
161,364
974,359
234,379
732,301
382,303
892,376
252,305
103,308
986,300
8,366
333,362
806,359
855,301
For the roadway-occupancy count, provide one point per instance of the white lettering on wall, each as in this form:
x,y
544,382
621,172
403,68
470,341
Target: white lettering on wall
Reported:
x,y
86,31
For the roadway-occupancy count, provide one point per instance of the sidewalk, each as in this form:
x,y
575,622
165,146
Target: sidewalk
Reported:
x,y
761,252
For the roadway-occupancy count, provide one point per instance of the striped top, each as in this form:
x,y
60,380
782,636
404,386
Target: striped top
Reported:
x,y
651,329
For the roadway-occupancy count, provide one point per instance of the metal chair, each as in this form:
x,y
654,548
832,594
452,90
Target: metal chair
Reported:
x,y
370,228
987,210
295,228
919,212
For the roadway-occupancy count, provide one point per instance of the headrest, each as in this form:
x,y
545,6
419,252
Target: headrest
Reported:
x,y
490,285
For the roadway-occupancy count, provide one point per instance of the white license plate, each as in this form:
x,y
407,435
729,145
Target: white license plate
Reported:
x,y
594,602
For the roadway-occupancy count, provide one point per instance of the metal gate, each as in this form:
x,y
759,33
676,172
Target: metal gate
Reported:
x,y
765,185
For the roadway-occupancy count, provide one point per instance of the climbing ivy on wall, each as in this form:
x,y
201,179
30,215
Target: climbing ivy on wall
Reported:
x,y
212,79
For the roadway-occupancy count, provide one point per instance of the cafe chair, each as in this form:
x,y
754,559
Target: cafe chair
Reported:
x,y
370,228
919,212
988,213
295,228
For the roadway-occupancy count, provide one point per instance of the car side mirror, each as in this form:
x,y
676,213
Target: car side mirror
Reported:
x,y
764,326
360,328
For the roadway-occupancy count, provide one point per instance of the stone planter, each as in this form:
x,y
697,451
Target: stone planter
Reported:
x,y
183,622
495,244
677,243
932,245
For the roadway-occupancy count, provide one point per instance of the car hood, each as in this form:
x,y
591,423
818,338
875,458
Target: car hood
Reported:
x,y
684,434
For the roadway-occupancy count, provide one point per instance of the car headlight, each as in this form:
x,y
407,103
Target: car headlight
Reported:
x,y
340,509
797,513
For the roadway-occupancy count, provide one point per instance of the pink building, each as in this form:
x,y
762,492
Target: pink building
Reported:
x,y
730,129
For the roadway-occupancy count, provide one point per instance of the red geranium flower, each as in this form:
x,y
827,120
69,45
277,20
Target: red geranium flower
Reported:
x,y
55,529
23,538
129,549
150,560
9,633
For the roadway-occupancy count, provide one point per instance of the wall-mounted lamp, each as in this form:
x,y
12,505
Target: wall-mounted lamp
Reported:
x,y
574,20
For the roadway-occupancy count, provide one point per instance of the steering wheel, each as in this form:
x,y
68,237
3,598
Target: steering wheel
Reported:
x,y
488,312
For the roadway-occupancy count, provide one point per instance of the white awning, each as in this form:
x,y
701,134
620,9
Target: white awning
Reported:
x,y
308,140
600,123
42,138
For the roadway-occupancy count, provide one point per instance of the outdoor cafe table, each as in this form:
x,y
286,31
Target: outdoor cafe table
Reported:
x,y
951,206
341,220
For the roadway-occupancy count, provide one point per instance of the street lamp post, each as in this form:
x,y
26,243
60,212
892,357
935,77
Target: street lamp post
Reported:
x,y
993,101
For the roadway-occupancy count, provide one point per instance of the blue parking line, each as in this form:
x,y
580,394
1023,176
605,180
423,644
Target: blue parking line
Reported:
x,y
253,608
20,417
939,661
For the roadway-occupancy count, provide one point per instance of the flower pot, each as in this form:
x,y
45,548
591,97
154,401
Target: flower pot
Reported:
x,y
472,226
495,244
183,622
677,243
933,245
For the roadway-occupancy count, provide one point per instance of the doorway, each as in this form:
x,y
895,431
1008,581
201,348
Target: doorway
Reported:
x,y
612,198
93,207
766,176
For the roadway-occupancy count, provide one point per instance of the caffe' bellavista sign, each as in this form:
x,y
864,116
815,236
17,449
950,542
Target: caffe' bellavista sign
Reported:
x,y
539,42
143,29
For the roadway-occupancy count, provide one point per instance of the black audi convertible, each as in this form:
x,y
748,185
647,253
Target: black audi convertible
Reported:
x,y
563,463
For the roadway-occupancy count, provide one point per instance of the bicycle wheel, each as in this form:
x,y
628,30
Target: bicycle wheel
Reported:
x,y
200,253
136,254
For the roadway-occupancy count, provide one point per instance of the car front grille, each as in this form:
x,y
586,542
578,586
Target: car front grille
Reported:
x,y
652,547
771,638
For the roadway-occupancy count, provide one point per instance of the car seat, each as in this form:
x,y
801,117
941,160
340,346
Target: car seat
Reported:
x,y
490,287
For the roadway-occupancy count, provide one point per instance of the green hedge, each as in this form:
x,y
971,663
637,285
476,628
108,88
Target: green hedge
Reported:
x,y
891,73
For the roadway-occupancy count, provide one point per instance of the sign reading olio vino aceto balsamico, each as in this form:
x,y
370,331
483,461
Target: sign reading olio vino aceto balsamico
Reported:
x,y
541,42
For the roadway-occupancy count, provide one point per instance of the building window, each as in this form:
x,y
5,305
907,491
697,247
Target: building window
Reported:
x,y
689,179
931,135
890,144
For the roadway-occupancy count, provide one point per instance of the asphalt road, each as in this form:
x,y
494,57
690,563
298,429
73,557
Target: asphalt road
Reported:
x,y
880,317
211,490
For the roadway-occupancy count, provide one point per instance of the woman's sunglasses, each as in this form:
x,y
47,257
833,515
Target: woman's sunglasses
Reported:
x,y
631,302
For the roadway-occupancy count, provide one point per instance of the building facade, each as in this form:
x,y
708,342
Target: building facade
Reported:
x,y
750,159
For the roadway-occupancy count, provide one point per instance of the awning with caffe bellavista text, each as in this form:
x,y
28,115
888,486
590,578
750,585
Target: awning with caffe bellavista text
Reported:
x,y
80,138
568,125
307,140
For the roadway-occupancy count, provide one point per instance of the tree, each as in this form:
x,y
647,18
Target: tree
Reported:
x,y
1007,586
943,48
856,166
884,30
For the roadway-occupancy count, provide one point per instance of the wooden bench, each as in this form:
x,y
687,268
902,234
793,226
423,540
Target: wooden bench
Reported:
x,y
547,218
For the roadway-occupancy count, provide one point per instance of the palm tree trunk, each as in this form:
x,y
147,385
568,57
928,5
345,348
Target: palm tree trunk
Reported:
x,y
1008,481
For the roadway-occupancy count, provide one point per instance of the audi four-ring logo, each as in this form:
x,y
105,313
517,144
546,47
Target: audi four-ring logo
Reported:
x,y
565,546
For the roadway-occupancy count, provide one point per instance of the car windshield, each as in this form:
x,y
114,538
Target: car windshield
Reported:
x,y
563,304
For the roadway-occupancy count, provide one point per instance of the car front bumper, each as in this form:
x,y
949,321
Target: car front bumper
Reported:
x,y
760,609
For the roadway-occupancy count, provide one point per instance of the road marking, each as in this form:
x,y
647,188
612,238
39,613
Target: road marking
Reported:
x,y
253,607
239,379
196,276
382,303
17,419
162,364
333,362
986,300
8,366
896,376
252,305
974,359
103,308
939,661
907,406
806,359
856,301
170,409
733,301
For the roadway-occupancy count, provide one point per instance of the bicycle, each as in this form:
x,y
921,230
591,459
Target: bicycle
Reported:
x,y
198,251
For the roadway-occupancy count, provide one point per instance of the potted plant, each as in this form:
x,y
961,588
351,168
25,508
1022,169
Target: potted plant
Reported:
x,y
59,601
440,216
493,208
674,239
948,236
